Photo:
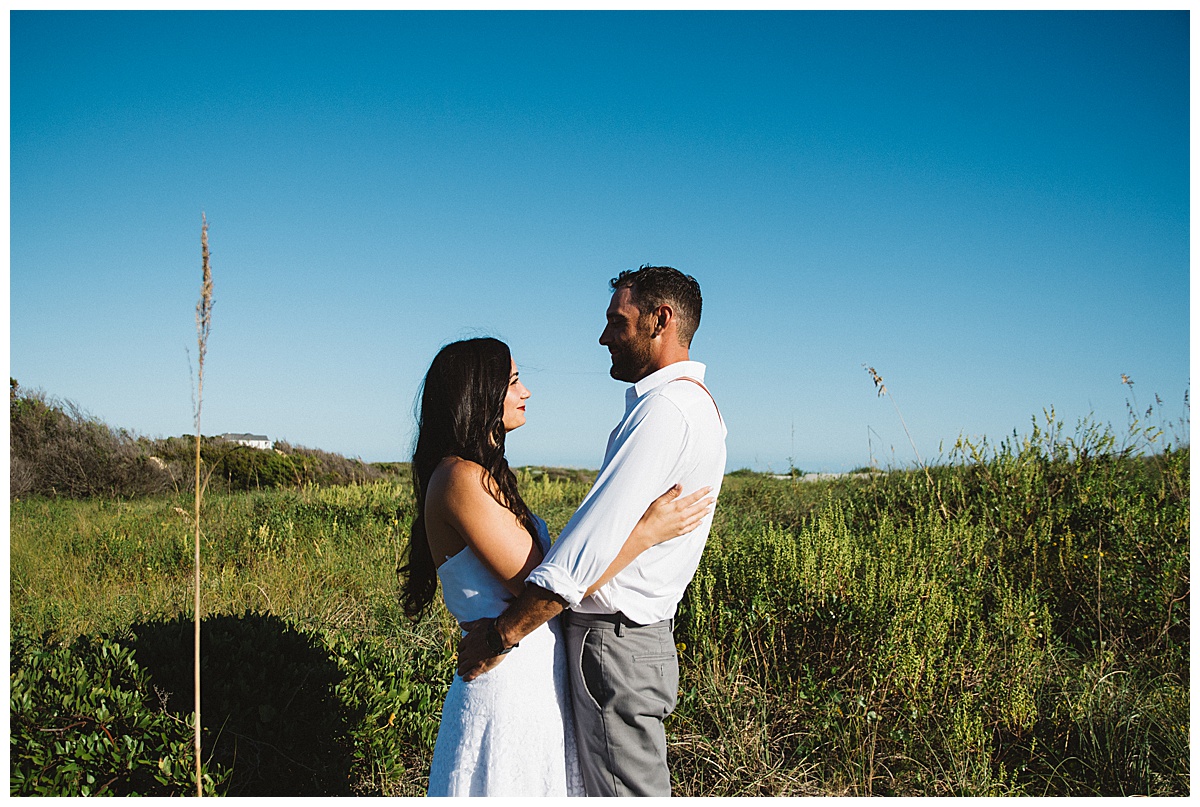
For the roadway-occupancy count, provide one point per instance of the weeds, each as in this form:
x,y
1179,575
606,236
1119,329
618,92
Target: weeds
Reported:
x,y
1009,623
841,637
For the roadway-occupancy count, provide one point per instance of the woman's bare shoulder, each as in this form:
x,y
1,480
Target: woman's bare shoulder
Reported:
x,y
456,480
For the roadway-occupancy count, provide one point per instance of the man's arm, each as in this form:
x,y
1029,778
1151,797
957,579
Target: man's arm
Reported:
x,y
535,607
670,516
641,464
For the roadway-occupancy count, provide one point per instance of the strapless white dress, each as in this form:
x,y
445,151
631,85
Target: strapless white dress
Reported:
x,y
509,732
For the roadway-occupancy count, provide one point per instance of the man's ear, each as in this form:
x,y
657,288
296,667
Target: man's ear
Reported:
x,y
663,315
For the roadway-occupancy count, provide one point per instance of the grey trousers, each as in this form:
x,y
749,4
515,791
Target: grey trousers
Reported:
x,y
624,682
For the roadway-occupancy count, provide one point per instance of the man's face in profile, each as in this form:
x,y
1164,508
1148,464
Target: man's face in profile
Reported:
x,y
628,337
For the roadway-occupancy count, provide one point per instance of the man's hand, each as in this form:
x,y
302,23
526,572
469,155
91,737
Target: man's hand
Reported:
x,y
524,615
474,656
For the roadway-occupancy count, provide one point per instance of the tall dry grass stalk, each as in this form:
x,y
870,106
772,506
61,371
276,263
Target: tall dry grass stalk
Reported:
x,y
880,390
203,325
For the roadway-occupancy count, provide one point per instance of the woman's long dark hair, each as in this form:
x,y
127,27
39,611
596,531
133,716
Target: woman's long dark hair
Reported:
x,y
461,415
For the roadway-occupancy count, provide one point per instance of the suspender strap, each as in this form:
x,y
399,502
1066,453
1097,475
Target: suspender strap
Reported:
x,y
701,386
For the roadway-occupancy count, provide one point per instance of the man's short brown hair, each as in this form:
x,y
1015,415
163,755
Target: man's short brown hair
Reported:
x,y
652,286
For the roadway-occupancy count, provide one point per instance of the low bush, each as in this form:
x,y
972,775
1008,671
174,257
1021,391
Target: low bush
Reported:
x,y
85,720
56,449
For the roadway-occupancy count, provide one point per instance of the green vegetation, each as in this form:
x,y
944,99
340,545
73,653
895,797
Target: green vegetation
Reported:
x,y
82,723
1016,622
57,449
852,638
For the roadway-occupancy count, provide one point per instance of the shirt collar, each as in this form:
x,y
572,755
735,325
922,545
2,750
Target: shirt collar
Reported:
x,y
691,369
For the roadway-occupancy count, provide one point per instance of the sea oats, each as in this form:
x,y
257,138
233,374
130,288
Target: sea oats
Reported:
x,y
203,327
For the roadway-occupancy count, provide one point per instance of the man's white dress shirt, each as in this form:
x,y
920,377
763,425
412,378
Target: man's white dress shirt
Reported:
x,y
671,432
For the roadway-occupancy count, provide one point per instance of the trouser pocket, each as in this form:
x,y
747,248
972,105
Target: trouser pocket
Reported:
x,y
658,674
591,669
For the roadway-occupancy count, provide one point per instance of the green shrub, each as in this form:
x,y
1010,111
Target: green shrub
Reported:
x,y
398,690
84,721
56,449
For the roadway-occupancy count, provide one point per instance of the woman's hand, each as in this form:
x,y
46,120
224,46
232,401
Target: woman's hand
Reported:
x,y
672,515
669,516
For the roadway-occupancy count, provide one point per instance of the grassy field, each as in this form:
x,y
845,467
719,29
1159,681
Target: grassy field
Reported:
x,y
1015,622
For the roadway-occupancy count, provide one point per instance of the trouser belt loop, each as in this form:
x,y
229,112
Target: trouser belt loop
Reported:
x,y
620,629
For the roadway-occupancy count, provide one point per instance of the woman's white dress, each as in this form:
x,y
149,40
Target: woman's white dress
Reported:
x,y
510,731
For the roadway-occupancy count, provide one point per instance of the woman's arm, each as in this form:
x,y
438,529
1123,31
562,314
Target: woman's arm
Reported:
x,y
457,499
667,517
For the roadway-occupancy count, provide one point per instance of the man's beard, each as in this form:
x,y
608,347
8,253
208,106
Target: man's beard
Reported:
x,y
630,362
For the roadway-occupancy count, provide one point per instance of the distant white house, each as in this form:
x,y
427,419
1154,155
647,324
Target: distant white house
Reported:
x,y
252,440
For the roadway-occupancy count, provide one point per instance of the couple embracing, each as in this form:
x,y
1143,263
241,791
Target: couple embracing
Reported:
x,y
567,667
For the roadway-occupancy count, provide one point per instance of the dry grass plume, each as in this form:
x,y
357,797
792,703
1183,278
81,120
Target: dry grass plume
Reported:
x,y
203,327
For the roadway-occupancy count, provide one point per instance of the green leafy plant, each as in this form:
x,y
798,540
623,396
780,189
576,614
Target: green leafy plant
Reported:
x,y
85,721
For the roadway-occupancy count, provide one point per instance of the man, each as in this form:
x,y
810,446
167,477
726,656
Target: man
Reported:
x,y
620,644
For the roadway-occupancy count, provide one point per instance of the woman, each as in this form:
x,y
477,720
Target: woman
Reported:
x,y
509,732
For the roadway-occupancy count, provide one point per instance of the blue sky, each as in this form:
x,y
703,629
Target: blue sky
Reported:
x,y
992,209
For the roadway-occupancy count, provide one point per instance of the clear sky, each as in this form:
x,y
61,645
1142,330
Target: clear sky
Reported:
x,y
991,209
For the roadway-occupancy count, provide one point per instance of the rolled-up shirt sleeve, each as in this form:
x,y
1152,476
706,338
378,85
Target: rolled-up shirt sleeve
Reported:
x,y
645,452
